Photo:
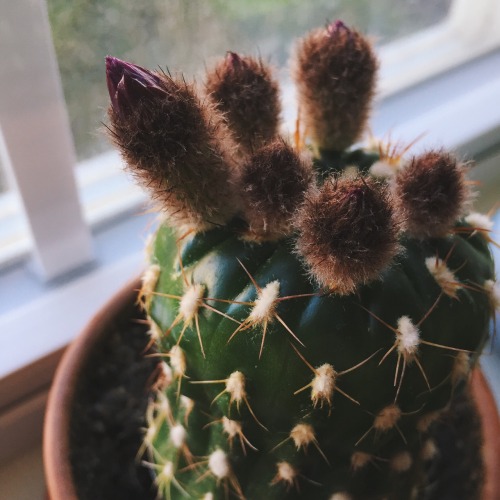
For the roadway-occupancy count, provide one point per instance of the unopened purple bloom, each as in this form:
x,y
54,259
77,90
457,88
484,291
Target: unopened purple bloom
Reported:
x,y
128,83
335,27
234,60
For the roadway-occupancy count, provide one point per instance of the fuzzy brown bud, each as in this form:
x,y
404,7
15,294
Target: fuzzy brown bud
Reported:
x,y
348,232
431,193
273,184
173,143
244,90
334,70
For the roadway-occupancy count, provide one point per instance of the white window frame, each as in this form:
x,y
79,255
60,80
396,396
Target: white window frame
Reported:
x,y
37,144
33,335
469,31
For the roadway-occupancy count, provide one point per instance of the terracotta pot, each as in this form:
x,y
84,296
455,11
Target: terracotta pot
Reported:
x,y
491,434
56,451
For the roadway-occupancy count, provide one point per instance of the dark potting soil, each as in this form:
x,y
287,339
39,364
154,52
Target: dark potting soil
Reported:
x,y
108,418
457,473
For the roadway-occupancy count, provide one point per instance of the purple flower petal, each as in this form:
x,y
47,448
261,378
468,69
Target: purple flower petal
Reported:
x,y
335,27
128,83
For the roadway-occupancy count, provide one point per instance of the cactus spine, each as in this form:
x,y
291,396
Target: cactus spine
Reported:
x,y
311,324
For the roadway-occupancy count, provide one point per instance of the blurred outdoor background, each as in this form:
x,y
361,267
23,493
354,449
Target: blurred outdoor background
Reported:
x,y
186,35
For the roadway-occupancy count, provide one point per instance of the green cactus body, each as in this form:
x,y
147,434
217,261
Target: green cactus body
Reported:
x,y
312,319
306,330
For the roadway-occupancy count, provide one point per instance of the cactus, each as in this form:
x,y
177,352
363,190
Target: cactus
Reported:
x,y
312,317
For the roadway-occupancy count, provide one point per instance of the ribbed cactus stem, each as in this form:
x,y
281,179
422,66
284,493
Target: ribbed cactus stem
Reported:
x,y
314,320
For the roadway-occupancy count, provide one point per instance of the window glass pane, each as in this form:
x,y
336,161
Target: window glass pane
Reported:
x,y
186,34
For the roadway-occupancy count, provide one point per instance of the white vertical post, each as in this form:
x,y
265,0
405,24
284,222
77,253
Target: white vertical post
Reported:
x,y
37,136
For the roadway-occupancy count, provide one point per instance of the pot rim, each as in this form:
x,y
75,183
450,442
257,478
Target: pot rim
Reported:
x,y
56,452
490,418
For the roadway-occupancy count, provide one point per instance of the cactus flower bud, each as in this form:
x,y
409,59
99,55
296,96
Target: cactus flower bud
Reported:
x,y
348,232
244,90
431,193
334,70
174,143
273,184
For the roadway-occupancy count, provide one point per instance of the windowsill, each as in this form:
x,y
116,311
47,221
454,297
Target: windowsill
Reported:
x,y
454,109
457,110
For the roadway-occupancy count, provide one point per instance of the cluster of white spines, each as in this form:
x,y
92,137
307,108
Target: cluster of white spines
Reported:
x,y
322,385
